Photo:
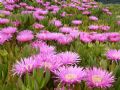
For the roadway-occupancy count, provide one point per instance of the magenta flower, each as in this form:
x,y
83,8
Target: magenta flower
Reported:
x,y
63,14
74,34
76,22
64,39
16,23
99,37
49,36
48,61
65,29
93,18
45,49
24,66
9,30
86,12
4,12
85,37
57,23
4,21
38,26
38,44
104,28
69,57
70,75
114,37
39,15
29,7
99,78
93,27
22,4
4,37
25,35
113,54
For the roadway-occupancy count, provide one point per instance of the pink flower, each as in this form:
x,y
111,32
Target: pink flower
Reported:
x,y
38,26
104,28
113,54
45,49
48,61
85,37
22,4
16,23
99,78
74,34
9,30
76,22
94,18
70,75
65,29
93,27
99,37
24,66
4,21
25,35
63,14
39,15
114,37
64,39
68,57
4,37
29,7
57,23
86,12
38,44
49,36
4,12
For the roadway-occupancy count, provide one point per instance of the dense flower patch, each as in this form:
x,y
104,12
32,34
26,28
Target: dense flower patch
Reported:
x,y
54,45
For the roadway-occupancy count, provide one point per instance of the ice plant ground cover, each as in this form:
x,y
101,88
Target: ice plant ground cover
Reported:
x,y
59,45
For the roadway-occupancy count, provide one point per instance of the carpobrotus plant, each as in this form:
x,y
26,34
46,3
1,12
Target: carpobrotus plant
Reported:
x,y
54,44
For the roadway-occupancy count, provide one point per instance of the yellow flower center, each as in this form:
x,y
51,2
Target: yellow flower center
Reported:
x,y
96,79
47,65
70,76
